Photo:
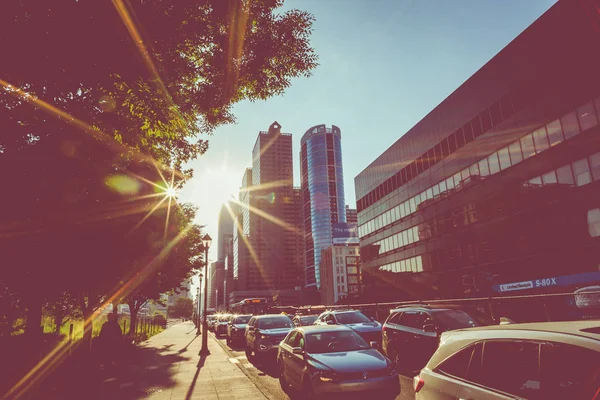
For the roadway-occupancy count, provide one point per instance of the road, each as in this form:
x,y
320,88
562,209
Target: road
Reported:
x,y
263,374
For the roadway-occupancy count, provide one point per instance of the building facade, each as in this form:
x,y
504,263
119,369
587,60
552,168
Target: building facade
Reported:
x,y
340,273
351,215
322,184
216,279
273,254
241,233
497,188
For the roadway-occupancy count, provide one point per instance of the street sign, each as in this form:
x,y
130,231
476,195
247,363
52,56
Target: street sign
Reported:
x,y
565,280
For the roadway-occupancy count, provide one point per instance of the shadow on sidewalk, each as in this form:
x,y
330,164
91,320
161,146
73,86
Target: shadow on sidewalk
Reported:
x,y
190,391
135,376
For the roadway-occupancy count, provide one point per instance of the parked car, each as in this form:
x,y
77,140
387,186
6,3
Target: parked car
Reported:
x,y
322,360
220,327
264,332
210,322
546,360
236,328
412,334
305,320
368,328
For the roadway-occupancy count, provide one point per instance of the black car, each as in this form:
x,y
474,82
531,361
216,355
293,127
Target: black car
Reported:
x,y
412,334
236,328
305,320
367,328
264,332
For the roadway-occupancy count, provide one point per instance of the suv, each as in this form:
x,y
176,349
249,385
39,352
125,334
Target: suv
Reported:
x,y
545,360
367,328
264,332
412,334
237,328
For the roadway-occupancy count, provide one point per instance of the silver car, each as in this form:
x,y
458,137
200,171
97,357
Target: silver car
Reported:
x,y
547,360
328,359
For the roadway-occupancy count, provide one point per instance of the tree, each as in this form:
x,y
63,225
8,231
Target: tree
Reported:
x,y
106,105
183,308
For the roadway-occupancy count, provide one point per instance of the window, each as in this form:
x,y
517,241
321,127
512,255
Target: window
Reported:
x,y
540,140
515,152
442,186
565,175
595,166
511,367
527,146
570,125
486,121
549,178
555,135
291,337
411,319
460,139
457,364
457,179
445,147
464,174
450,183
581,171
587,116
536,181
484,169
452,143
567,371
474,169
436,190
468,132
394,318
504,158
493,162
593,219
476,124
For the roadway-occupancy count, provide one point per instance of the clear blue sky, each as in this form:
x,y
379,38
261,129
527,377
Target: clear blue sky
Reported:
x,y
384,64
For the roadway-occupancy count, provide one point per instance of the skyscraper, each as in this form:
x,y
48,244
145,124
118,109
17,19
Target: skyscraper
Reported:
x,y
271,216
351,216
322,192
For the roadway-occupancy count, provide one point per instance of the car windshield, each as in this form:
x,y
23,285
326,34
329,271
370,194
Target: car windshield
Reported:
x,y
332,342
454,319
309,320
274,323
352,318
242,319
224,318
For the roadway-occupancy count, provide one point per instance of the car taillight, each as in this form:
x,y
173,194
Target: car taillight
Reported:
x,y
418,383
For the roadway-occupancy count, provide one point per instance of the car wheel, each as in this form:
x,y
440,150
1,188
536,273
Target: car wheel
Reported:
x,y
228,341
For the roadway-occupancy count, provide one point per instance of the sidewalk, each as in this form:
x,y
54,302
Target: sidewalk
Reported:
x,y
167,367
214,377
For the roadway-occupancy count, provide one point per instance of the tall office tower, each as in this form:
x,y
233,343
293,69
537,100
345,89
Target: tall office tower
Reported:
x,y
241,233
271,213
224,229
351,215
322,194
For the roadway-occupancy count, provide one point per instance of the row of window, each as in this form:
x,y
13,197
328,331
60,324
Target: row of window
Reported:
x,y
579,173
400,239
413,264
488,118
551,134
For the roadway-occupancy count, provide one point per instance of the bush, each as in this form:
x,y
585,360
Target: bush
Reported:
x,y
161,320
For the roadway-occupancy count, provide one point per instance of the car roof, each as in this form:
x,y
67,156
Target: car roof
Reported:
x,y
271,316
588,328
344,311
579,333
324,328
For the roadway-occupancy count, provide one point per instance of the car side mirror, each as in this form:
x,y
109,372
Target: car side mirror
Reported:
x,y
297,350
374,345
429,328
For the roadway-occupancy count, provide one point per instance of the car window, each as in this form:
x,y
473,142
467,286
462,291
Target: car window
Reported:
x,y
291,337
352,318
511,367
301,342
569,372
331,342
241,319
453,319
275,323
252,321
330,318
394,318
410,319
424,319
308,320
457,364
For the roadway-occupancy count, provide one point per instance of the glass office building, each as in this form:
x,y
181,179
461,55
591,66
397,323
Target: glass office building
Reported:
x,y
322,193
497,190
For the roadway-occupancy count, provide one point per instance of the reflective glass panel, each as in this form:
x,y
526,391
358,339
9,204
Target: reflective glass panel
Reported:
x,y
504,158
540,140
587,116
494,164
527,146
570,125
555,135
581,171
565,175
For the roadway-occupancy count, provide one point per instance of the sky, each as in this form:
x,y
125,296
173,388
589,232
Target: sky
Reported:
x,y
384,64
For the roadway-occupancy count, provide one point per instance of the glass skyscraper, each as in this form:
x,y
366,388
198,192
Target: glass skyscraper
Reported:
x,y
322,193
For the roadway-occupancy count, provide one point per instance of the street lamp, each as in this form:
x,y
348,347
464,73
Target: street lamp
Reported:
x,y
206,241
198,307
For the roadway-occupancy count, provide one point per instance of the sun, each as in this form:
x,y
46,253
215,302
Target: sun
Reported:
x,y
171,192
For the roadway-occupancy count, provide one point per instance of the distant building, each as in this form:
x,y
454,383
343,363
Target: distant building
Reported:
x,y
322,183
340,273
241,234
351,216
216,279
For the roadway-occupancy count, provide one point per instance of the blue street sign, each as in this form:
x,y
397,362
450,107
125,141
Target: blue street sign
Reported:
x,y
565,280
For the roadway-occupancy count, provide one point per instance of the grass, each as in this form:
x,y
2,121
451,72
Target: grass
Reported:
x,y
97,323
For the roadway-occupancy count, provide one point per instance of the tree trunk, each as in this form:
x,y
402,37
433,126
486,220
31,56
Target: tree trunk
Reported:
x,y
133,323
87,325
34,317
58,320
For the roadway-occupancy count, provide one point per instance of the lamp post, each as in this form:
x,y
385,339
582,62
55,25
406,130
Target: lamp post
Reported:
x,y
206,241
198,332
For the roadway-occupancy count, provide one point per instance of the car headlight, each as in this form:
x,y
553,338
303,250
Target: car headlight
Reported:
x,y
264,337
328,376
